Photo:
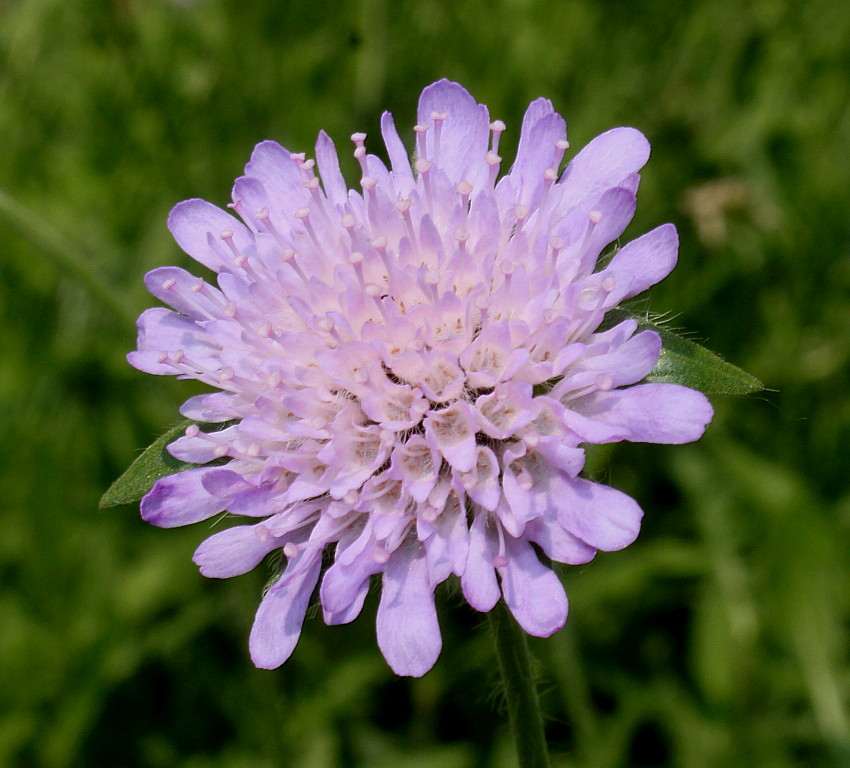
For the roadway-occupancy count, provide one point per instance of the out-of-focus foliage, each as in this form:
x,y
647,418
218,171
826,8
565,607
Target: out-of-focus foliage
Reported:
x,y
720,638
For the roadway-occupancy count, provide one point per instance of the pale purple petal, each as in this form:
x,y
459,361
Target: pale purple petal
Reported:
x,y
600,516
224,483
165,334
542,127
398,154
328,162
608,160
277,625
185,292
645,261
532,591
652,413
629,362
344,580
181,499
198,227
479,584
464,134
452,433
274,168
352,611
408,633
234,551
557,543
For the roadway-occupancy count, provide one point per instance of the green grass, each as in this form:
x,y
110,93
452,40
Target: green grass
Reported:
x,y
719,638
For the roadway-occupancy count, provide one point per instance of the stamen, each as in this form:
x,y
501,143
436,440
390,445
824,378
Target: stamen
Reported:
x,y
227,235
562,145
521,212
432,278
500,561
264,330
303,215
239,209
461,236
464,189
550,176
493,160
556,245
497,127
438,118
422,168
420,131
531,437
307,167
380,555
262,533
403,207
379,243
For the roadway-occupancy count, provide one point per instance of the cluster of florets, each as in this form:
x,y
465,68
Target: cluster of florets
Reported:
x,y
407,374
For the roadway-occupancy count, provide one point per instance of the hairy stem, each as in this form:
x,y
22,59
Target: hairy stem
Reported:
x,y
520,690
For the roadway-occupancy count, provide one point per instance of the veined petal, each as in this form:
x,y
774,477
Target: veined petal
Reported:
x,y
532,591
399,157
181,499
542,127
408,632
277,625
165,337
604,163
343,581
558,543
645,261
478,581
185,292
200,229
234,551
652,413
328,162
274,167
353,609
600,516
463,135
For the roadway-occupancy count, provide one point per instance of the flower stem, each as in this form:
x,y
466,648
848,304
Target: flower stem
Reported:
x,y
520,689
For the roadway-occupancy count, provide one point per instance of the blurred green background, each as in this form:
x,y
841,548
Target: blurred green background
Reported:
x,y
719,638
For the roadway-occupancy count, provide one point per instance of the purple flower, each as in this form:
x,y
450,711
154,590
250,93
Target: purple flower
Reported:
x,y
406,374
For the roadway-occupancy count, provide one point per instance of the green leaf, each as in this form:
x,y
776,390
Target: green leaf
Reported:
x,y
690,364
154,463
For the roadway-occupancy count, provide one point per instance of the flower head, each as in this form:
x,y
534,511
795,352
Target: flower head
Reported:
x,y
406,374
